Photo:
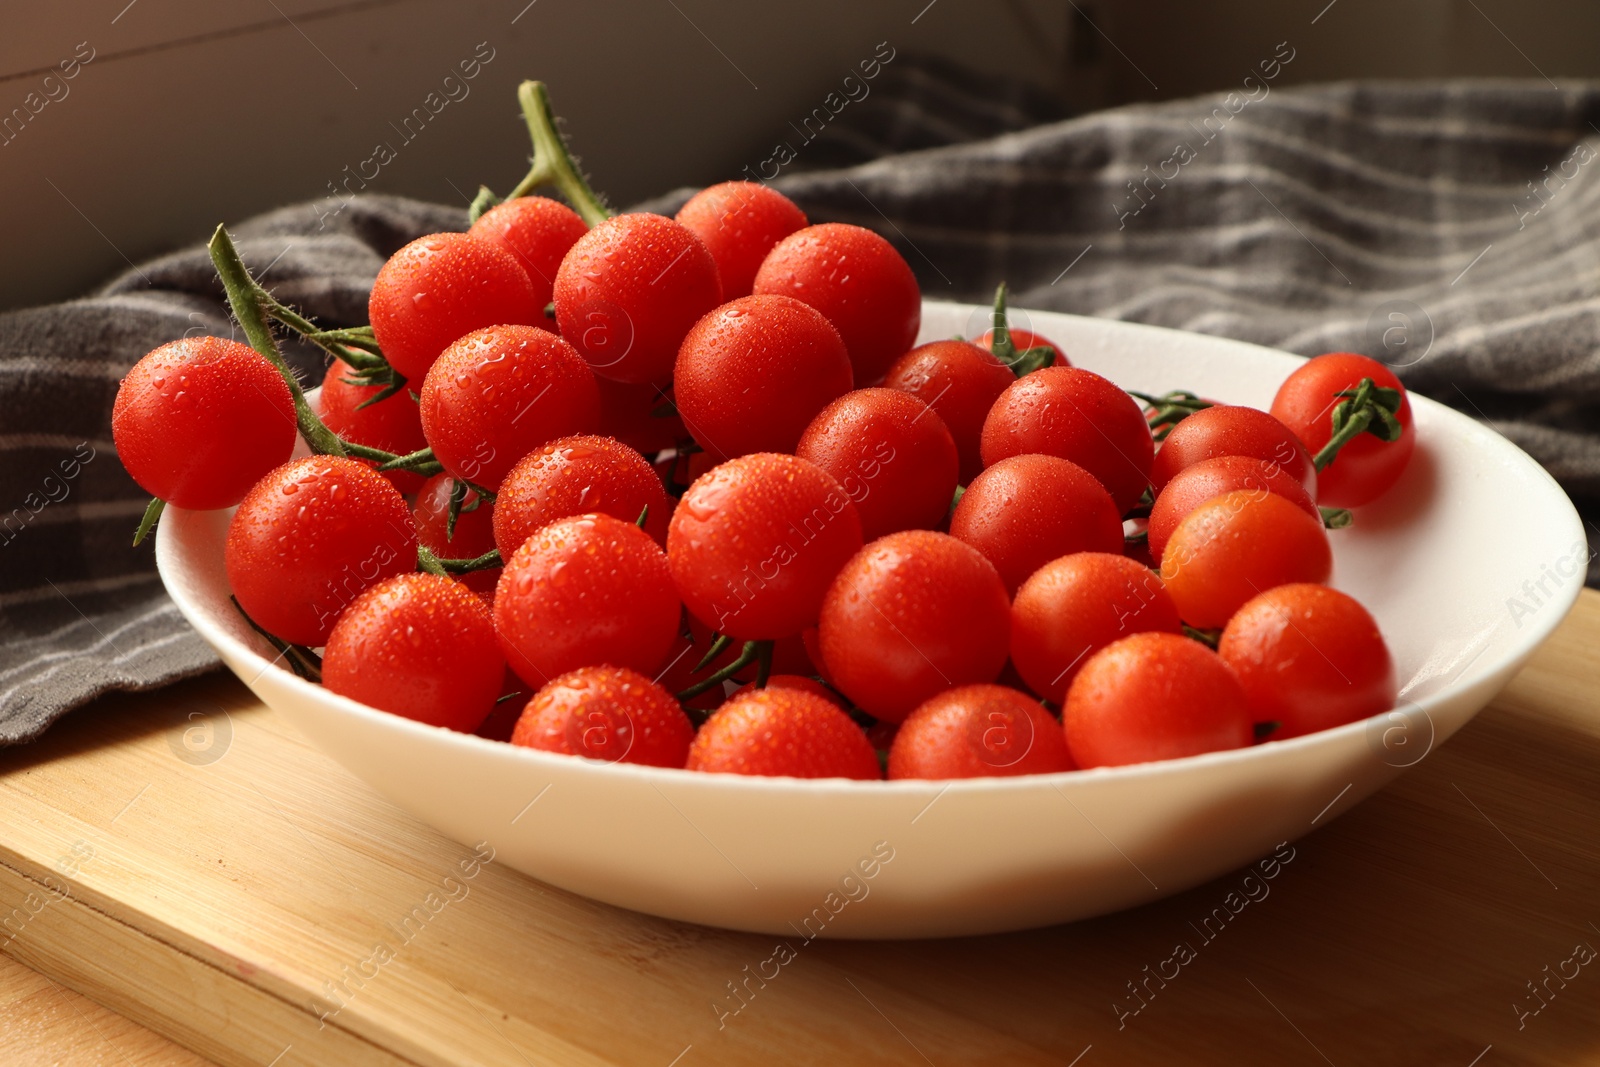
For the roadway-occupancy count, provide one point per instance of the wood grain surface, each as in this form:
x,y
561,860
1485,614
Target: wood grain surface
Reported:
x,y
187,860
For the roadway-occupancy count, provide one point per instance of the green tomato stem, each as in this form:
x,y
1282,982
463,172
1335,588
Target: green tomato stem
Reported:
x,y
751,653
245,297
152,515
1368,408
552,163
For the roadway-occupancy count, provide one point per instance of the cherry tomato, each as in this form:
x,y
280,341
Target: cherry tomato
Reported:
x,y
198,421
536,230
1023,340
474,529
756,541
783,733
1076,605
793,681
739,222
1309,658
392,424
629,290
858,281
1227,430
754,372
628,413
911,615
420,646
891,453
978,731
441,287
574,475
959,381
1237,545
1025,511
499,393
309,538
585,591
1154,696
1367,466
1196,484
606,713
1080,416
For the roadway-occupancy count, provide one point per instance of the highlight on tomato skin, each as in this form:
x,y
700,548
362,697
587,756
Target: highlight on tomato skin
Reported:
x,y
1076,605
610,714
199,420
439,288
1237,545
585,591
1310,658
783,732
978,731
309,538
909,616
1154,696
419,646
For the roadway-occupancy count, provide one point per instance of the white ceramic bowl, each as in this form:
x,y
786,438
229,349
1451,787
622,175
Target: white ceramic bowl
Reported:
x,y
1468,564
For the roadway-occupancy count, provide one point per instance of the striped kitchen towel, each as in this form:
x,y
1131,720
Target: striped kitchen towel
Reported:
x,y
1443,228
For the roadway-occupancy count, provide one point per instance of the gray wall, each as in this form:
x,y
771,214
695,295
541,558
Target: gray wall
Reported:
x,y
195,111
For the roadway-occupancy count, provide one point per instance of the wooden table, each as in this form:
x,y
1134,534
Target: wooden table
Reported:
x,y
219,903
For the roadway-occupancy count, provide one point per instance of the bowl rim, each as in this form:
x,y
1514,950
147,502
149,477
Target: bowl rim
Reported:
x,y
177,521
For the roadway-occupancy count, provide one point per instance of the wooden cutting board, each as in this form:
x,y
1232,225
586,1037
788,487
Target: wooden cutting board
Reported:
x,y
186,859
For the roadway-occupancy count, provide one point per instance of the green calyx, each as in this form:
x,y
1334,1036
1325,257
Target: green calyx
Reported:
x,y
1368,408
1021,361
1169,409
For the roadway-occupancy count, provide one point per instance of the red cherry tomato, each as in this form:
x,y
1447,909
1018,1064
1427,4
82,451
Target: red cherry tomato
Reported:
x,y
585,591
1023,340
783,733
978,731
858,281
198,421
1025,511
474,530
1237,545
575,475
756,541
912,615
793,681
1196,484
1367,466
739,222
959,381
499,393
606,713
629,290
1309,658
1076,605
891,453
309,538
1154,696
1080,416
420,646
441,287
1227,430
536,230
392,424
628,413
754,372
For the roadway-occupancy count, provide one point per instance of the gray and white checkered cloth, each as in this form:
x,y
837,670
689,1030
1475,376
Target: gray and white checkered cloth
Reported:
x,y
1444,228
